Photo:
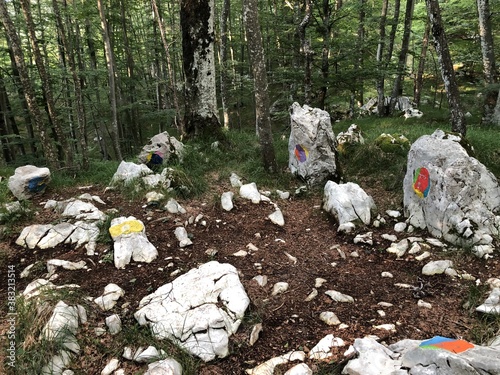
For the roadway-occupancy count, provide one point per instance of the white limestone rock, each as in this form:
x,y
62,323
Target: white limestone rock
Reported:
x,y
492,304
226,200
112,293
437,267
62,326
364,238
372,359
322,350
277,218
130,242
160,149
398,248
312,145
28,180
329,318
454,196
339,297
114,324
186,310
174,207
182,236
279,287
346,227
348,202
128,172
267,367
235,180
167,366
52,265
250,191
111,366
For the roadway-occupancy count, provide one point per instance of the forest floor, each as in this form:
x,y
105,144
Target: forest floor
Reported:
x,y
289,323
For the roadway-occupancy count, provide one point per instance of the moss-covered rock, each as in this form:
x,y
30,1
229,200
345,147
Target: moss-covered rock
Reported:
x,y
393,143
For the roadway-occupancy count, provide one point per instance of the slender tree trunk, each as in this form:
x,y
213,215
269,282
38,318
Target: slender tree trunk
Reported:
x,y
380,60
394,28
258,62
405,44
29,92
171,75
197,23
457,119
224,77
487,50
359,92
306,51
80,110
110,61
10,123
419,80
64,155
325,52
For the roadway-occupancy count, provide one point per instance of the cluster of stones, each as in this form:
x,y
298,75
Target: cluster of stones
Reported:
x,y
202,308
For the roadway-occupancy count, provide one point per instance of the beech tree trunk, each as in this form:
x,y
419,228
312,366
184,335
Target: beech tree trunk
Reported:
x,y
64,154
419,79
197,23
258,62
224,77
306,51
405,44
380,60
325,51
488,53
110,61
29,92
179,121
80,110
457,118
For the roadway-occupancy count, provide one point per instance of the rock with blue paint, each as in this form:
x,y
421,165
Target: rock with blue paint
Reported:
x,y
312,145
28,181
160,149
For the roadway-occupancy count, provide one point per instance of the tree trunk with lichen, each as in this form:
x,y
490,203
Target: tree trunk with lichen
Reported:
x,y
197,23
258,62
457,119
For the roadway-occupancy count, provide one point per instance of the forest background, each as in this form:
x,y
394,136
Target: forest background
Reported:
x,y
83,81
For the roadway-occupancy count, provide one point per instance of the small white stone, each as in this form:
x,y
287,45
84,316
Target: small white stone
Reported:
x,y
393,213
387,274
415,248
329,318
386,327
252,247
279,287
110,367
260,279
399,227
240,253
423,256
389,237
318,282
425,305
277,218
339,297
385,304
346,227
312,295
381,313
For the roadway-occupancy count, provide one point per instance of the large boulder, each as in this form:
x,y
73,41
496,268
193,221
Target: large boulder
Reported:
x,y
450,193
28,181
312,145
198,310
348,203
160,149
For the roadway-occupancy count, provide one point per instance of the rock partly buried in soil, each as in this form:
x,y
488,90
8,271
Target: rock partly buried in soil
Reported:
x,y
187,310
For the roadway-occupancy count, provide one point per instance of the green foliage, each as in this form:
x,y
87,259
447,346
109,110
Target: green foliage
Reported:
x,y
486,326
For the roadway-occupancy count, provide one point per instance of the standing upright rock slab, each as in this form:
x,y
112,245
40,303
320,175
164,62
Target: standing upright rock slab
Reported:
x,y
160,149
312,145
28,181
198,310
450,193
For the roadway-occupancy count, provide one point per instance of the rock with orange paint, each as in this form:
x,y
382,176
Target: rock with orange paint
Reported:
x,y
312,145
449,192
130,242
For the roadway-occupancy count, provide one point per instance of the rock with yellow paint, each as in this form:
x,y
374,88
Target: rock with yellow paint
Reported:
x,y
130,242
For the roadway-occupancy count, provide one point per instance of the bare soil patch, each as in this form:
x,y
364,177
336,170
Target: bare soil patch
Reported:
x,y
289,323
